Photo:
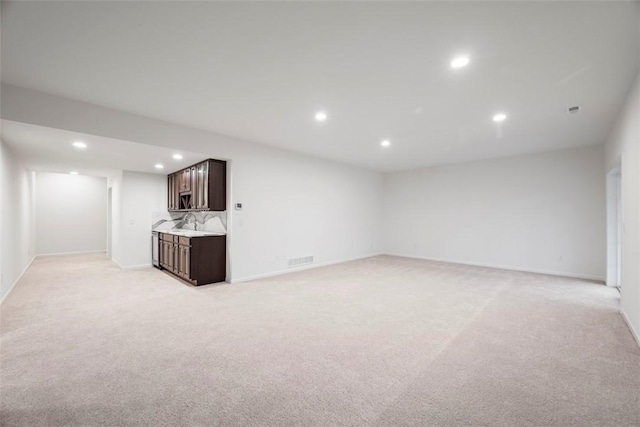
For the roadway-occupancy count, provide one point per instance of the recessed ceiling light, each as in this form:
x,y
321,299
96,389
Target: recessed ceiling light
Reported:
x,y
385,143
73,173
159,166
177,156
321,116
460,62
499,117
79,144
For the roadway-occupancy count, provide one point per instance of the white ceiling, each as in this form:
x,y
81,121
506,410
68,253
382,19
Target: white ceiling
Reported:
x,y
259,71
44,149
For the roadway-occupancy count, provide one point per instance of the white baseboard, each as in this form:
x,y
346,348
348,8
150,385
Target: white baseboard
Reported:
x,y
129,267
301,268
17,280
507,267
634,333
72,253
137,267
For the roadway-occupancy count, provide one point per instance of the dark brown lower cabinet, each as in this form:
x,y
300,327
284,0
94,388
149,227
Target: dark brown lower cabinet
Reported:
x,y
198,260
167,253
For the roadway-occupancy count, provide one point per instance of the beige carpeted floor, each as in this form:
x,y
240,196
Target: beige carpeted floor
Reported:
x,y
381,341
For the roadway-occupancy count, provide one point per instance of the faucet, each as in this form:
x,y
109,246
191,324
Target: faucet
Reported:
x,y
185,220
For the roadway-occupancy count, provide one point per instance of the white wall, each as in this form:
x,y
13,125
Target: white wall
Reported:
x,y
138,196
17,232
537,212
71,213
117,244
294,205
623,146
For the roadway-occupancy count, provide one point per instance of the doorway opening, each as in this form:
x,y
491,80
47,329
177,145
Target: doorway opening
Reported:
x,y
614,227
109,196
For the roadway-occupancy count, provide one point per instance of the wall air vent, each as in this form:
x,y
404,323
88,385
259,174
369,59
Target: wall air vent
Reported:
x,y
573,110
296,262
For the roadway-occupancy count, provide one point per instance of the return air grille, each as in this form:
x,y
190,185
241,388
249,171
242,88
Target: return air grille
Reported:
x,y
295,262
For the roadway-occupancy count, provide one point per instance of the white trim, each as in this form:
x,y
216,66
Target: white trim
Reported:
x,y
628,322
301,268
506,267
72,253
17,280
130,267
137,267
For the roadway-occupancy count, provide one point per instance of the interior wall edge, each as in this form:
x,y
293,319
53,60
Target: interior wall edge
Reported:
x,y
13,286
634,333
116,263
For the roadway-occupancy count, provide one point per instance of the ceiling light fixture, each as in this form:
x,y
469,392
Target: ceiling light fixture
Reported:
x,y
321,116
79,144
73,173
499,117
159,166
177,156
385,143
460,62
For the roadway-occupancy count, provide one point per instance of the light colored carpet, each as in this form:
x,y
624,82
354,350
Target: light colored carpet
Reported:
x,y
382,341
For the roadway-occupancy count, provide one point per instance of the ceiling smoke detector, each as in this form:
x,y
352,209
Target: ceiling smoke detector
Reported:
x,y
573,110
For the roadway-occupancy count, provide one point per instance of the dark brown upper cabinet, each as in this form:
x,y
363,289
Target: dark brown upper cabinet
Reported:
x,y
202,186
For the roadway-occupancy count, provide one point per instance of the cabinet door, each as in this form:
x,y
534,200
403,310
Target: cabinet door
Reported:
x,y
168,255
170,192
194,187
174,200
185,180
181,260
203,185
186,265
174,191
217,199
166,250
174,197
175,257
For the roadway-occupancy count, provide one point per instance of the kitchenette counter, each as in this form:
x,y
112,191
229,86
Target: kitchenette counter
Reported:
x,y
197,257
191,233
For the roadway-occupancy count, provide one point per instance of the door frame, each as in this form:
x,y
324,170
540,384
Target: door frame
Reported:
x,y
614,226
109,222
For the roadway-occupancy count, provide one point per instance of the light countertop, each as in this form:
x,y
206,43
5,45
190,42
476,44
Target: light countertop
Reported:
x,y
190,233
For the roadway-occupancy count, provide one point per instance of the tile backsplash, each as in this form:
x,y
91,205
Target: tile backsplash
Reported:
x,y
202,220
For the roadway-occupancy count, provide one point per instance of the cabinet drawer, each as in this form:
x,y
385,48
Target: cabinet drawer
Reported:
x,y
184,240
167,237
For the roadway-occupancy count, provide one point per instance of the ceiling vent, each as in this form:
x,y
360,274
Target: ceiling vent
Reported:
x,y
573,110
